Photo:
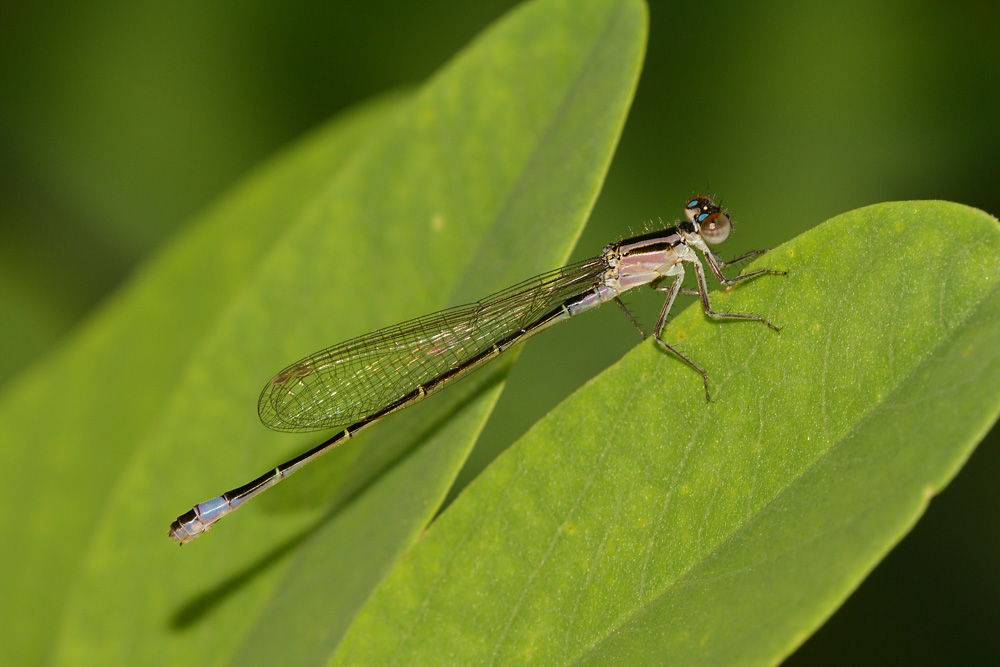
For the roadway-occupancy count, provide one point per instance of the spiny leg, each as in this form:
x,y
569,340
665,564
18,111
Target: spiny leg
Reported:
x,y
741,258
707,306
631,319
717,265
661,323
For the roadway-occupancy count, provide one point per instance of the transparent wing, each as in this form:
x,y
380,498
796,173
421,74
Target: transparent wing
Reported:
x,y
346,383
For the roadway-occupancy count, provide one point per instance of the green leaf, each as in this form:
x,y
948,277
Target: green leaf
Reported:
x,y
481,178
71,424
637,524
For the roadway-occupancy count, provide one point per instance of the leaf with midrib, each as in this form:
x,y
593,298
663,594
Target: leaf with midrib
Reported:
x,y
71,423
637,525
481,178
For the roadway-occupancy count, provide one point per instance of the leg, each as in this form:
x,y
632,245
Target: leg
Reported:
x,y
717,265
660,288
661,322
707,306
741,258
630,318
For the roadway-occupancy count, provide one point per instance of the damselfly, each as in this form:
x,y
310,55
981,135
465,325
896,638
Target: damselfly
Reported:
x,y
351,386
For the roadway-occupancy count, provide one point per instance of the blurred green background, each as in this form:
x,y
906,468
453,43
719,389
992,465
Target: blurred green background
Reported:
x,y
118,122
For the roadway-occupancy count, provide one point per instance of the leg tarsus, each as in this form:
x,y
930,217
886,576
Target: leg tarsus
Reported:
x,y
707,306
661,323
700,371
716,265
741,258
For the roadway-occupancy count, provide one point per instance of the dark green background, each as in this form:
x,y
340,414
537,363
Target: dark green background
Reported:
x,y
118,123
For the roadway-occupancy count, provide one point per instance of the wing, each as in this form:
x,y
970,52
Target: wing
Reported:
x,y
346,383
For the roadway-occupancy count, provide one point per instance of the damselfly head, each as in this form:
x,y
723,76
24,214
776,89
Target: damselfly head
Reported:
x,y
712,222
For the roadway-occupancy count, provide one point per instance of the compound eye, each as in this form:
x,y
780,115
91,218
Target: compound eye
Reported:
x,y
715,227
695,209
